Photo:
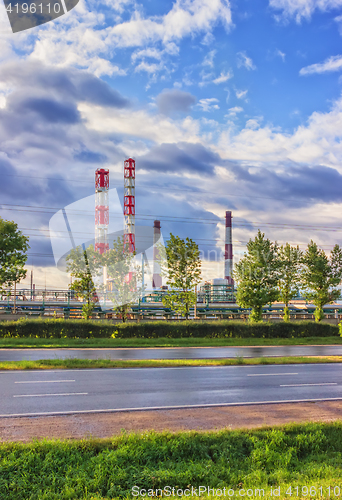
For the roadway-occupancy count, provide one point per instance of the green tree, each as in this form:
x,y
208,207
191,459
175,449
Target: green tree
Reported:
x,y
125,277
13,254
181,265
257,276
289,275
321,275
84,265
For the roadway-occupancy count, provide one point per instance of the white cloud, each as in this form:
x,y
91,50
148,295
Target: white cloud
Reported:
x,y
245,61
228,95
319,142
333,63
185,18
139,124
74,41
233,111
280,54
150,68
338,20
252,124
118,5
208,104
187,80
209,59
240,94
208,39
206,78
223,77
171,48
303,8
152,53
83,40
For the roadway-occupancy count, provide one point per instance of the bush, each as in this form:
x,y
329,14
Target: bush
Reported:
x,y
61,328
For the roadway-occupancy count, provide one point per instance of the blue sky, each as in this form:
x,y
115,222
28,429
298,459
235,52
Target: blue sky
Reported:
x,y
224,105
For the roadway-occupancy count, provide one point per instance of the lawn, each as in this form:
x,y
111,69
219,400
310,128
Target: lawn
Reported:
x,y
298,461
75,363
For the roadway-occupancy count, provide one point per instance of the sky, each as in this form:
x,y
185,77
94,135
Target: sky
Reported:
x,y
224,105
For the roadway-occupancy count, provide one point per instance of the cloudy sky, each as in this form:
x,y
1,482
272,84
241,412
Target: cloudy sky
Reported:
x,y
225,105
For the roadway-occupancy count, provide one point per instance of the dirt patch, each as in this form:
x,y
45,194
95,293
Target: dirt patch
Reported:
x,y
103,425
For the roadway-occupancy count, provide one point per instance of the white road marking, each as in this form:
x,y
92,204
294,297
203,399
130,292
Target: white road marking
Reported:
x,y
301,385
42,381
180,407
40,395
268,374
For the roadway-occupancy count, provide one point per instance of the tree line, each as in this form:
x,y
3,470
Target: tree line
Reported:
x,y
269,272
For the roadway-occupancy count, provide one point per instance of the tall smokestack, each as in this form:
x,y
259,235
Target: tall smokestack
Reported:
x,y
101,210
228,250
156,280
129,205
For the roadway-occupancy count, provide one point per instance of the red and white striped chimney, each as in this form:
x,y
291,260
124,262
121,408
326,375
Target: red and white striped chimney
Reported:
x,y
156,279
129,205
101,210
228,250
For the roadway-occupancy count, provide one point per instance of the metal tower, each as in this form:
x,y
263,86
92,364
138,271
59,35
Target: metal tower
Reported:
x,y
101,210
129,205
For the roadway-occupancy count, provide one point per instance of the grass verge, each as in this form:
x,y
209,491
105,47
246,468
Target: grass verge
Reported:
x,y
75,363
297,456
22,343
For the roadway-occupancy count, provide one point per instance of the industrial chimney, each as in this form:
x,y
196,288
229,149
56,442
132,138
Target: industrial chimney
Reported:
x,y
228,250
101,210
129,205
156,280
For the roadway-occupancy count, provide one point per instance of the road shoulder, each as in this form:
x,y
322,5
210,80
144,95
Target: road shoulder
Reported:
x,y
200,419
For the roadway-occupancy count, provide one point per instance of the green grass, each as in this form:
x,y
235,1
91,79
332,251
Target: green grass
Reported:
x,y
20,343
75,363
297,455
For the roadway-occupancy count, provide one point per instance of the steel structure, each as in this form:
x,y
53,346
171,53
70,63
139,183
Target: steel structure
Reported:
x,y
228,250
101,210
129,205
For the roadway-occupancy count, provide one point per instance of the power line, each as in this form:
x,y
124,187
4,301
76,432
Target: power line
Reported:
x,y
237,221
163,188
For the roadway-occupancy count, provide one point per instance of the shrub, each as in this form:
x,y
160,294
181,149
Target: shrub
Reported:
x,y
61,328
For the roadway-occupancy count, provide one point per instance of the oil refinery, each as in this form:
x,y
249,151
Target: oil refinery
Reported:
x,y
215,297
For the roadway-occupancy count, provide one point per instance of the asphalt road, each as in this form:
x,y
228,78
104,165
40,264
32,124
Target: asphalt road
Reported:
x,y
46,392
171,353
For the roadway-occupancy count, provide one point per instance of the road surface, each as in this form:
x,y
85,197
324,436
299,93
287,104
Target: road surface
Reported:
x,y
171,353
46,392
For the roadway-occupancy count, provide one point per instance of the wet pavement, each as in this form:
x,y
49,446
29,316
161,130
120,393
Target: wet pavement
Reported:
x,y
170,353
53,392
